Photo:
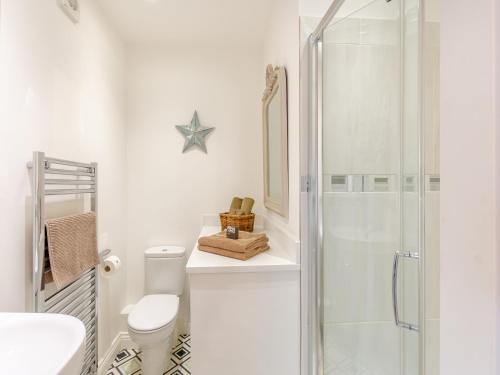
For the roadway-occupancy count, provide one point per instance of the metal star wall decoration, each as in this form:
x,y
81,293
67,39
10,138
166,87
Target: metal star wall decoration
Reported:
x,y
194,133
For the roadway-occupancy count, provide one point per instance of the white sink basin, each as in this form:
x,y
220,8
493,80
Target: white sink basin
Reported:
x,y
41,344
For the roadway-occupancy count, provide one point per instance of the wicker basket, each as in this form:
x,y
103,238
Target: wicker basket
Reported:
x,y
242,222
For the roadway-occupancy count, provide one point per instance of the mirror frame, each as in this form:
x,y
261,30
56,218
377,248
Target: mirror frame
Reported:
x,y
276,82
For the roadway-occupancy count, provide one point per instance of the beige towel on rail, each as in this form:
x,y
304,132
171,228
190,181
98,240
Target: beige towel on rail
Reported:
x,y
72,244
246,242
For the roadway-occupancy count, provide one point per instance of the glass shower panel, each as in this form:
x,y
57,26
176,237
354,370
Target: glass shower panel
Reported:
x,y
430,123
410,166
361,199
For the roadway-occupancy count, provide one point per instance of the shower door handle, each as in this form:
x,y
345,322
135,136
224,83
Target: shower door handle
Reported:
x,y
395,302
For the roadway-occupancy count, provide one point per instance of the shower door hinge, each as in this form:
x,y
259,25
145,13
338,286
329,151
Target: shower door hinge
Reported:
x,y
305,184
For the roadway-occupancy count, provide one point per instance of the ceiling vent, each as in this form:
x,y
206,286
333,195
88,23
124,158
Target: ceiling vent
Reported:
x,y
71,8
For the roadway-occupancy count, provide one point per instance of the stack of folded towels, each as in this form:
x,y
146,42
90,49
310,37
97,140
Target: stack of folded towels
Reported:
x,y
246,246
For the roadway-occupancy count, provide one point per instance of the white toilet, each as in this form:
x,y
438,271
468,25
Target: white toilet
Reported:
x,y
152,320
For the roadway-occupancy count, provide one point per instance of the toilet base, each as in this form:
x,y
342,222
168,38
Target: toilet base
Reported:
x,y
154,358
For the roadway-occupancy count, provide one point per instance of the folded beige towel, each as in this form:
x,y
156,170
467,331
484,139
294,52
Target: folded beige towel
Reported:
x,y
233,254
72,243
246,242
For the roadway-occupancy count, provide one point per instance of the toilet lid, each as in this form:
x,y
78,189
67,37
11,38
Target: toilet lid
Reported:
x,y
153,312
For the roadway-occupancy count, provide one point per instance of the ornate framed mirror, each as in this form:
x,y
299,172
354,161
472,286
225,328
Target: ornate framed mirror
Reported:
x,y
275,134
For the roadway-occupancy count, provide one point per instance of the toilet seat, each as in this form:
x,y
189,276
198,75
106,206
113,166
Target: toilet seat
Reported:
x,y
153,312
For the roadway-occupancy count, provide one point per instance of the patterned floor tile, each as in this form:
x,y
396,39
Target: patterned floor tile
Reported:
x,y
128,361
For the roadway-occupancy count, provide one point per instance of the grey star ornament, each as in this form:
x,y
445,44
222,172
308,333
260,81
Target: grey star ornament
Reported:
x,y
194,133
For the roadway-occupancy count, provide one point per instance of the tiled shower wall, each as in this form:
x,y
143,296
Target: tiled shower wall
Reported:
x,y
361,140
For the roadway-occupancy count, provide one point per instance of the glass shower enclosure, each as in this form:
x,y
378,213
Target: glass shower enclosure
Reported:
x,y
373,190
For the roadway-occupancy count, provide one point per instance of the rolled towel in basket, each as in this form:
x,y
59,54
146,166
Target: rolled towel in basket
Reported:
x,y
246,206
235,205
246,242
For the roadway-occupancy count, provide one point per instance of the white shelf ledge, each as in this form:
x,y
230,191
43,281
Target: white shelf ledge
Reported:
x,y
269,261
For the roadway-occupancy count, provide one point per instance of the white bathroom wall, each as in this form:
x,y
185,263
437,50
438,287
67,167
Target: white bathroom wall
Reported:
x,y
281,47
61,91
313,8
170,191
469,161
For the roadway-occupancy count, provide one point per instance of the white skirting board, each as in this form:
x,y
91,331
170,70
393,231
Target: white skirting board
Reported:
x,y
120,342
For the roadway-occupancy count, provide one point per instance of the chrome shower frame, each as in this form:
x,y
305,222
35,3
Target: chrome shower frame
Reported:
x,y
312,200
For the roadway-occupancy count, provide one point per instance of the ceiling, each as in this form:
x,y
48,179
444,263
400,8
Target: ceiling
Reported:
x,y
189,22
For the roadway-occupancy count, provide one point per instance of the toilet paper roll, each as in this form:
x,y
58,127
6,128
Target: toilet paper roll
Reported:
x,y
110,265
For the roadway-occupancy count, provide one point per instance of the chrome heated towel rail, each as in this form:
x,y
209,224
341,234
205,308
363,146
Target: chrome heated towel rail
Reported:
x,y
62,177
